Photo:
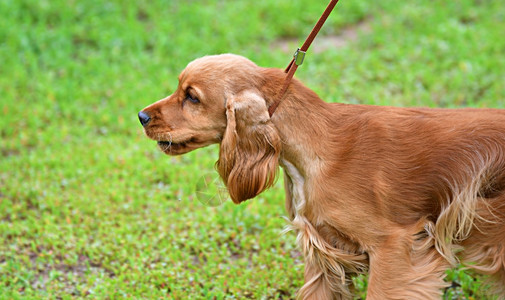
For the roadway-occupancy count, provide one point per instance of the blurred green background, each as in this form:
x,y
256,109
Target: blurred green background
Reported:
x,y
89,207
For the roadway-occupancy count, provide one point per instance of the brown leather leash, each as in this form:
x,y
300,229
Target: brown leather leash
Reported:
x,y
299,56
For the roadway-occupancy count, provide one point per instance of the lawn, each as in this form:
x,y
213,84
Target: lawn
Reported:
x,y
90,208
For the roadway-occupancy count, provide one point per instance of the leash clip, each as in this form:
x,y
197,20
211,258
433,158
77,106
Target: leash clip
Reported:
x,y
299,56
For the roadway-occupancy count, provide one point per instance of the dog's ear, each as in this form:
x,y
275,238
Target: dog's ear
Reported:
x,y
249,151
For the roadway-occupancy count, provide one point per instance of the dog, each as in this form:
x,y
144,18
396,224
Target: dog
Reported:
x,y
399,193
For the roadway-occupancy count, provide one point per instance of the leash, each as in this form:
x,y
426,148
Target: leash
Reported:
x,y
299,56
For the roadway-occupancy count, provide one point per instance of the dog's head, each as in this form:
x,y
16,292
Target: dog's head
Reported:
x,y
218,100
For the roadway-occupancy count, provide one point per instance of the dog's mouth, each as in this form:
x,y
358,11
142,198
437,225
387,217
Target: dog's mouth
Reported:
x,y
172,148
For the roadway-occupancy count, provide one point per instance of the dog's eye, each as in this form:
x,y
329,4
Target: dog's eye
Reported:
x,y
192,99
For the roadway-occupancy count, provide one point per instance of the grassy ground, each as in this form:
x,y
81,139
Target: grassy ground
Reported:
x,y
89,206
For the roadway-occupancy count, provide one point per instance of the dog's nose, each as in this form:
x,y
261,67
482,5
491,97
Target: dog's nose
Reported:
x,y
144,118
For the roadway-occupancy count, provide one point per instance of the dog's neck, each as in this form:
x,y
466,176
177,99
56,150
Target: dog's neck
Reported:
x,y
306,114
304,155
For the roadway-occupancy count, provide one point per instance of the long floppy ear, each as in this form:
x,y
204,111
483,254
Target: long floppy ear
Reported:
x,y
249,152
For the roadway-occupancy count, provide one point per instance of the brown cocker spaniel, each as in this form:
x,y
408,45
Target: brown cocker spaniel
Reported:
x,y
400,193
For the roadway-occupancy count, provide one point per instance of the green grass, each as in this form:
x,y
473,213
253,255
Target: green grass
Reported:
x,y
89,206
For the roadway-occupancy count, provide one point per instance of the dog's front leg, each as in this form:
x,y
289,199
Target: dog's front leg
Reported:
x,y
406,266
317,285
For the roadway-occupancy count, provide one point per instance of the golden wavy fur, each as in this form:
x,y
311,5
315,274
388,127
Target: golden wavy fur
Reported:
x,y
400,193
